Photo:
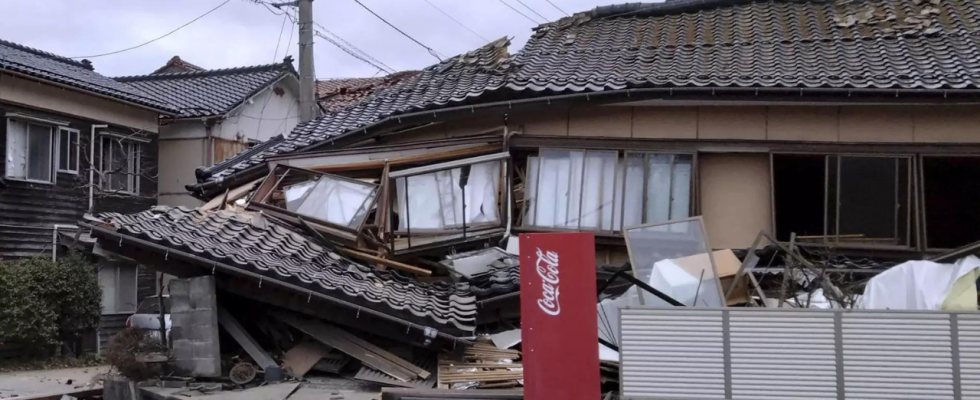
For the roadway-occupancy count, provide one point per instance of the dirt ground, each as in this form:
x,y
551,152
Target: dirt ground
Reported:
x,y
54,381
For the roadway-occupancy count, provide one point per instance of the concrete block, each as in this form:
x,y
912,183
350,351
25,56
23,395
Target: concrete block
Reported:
x,y
117,387
205,350
195,326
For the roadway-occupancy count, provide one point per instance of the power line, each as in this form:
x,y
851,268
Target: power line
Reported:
x,y
519,12
532,10
356,49
557,8
431,52
161,37
275,54
456,21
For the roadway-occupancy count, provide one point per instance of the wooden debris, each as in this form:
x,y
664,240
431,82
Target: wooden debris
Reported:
x,y
301,358
484,364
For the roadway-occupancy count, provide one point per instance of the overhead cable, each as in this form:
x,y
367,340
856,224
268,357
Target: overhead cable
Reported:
x,y
457,21
429,49
557,8
158,38
519,12
546,19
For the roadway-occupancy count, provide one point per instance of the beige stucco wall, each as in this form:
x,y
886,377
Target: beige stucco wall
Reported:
x,y
845,124
735,197
75,103
178,159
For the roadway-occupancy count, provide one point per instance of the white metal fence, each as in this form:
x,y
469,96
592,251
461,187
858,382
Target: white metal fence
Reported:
x,y
685,353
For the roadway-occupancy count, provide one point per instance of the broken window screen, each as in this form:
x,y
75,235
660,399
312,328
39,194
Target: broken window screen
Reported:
x,y
674,258
585,190
334,200
842,199
445,199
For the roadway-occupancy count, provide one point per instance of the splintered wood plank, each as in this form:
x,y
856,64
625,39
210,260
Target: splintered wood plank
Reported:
x,y
301,358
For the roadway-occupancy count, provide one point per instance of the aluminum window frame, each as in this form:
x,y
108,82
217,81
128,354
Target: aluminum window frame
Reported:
x,y
28,122
912,240
134,160
622,156
77,146
476,229
920,192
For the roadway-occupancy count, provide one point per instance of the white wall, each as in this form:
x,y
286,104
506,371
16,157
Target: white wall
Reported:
x,y
268,115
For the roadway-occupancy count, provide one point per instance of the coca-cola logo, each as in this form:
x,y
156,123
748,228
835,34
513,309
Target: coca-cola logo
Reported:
x,y
547,267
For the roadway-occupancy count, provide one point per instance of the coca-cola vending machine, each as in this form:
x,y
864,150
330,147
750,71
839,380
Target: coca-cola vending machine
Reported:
x,y
558,316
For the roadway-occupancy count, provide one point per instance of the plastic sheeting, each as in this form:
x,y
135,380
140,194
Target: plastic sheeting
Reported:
x,y
925,285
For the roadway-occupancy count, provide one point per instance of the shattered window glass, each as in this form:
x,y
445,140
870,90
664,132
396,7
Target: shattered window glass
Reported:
x,y
338,201
445,199
674,258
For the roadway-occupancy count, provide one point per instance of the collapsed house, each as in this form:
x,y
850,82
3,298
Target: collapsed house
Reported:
x,y
821,122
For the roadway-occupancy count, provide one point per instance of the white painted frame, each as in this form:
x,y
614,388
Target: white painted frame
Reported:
x,y
77,145
27,153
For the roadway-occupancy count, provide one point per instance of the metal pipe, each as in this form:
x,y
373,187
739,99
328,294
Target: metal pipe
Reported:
x,y
54,239
91,167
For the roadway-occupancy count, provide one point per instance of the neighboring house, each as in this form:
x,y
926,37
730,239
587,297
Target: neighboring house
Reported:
x,y
222,113
337,94
74,142
853,125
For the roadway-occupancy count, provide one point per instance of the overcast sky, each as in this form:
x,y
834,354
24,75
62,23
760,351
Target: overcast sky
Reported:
x,y
243,33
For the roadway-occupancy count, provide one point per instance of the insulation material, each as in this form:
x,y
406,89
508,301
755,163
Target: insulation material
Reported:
x,y
436,200
925,285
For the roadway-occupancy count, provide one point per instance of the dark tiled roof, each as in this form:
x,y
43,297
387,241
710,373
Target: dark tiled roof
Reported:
x,y
337,94
278,253
451,81
209,92
63,70
878,44
176,64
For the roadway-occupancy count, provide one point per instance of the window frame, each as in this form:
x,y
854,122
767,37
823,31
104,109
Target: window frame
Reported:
x,y
27,156
912,204
134,160
620,173
117,272
77,146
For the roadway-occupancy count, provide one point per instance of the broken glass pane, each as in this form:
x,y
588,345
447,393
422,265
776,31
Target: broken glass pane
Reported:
x,y
338,201
673,257
295,193
436,200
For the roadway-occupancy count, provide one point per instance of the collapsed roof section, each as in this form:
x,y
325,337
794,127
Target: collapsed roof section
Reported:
x,y
247,242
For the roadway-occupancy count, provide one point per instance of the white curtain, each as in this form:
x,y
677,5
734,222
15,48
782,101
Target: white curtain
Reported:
x,y
572,189
16,149
435,200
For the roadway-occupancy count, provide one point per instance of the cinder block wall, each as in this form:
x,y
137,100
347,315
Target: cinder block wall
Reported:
x,y
194,314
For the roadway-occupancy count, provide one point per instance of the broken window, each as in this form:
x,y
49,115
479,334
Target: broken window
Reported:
x,y
584,189
453,200
333,204
842,198
673,257
951,187
30,148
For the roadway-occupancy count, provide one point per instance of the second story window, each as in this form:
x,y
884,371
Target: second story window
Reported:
x,y
30,147
120,165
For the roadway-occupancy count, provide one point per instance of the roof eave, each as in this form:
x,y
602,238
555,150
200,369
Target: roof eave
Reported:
x,y
89,92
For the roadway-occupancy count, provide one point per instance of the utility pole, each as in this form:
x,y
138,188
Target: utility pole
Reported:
x,y
307,82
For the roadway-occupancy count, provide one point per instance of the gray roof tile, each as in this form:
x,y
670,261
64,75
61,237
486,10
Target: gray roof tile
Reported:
x,y
209,92
878,44
63,70
278,253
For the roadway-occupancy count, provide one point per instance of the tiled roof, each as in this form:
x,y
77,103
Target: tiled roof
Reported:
x,y
337,94
453,80
176,64
877,44
209,92
63,70
278,253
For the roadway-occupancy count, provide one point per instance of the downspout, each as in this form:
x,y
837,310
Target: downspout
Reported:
x,y
91,169
54,239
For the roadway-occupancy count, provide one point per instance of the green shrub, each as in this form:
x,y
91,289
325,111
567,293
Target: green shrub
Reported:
x,y
43,303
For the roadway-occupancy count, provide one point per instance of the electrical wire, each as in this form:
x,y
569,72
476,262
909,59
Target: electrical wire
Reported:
x,y
532,10
519,12
158,38
373,60
275,55
557,8
431,51
456,21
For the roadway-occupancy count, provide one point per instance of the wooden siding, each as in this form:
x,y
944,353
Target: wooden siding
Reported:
x,y
29,210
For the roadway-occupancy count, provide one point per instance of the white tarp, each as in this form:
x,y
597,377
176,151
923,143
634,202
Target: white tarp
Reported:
x,y
921,285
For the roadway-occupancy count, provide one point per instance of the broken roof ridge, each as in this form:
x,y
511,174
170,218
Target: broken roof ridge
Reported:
x,y
177,62
286,65
47,54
